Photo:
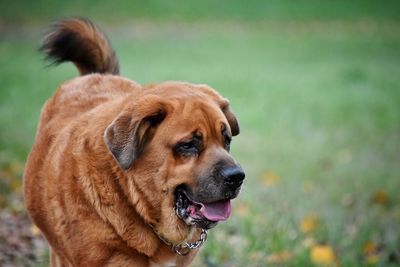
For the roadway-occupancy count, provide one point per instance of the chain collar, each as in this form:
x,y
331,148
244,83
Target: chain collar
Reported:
x,y
183,248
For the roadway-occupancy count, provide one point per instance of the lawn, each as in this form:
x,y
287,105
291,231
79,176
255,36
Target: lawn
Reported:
x,y
318,98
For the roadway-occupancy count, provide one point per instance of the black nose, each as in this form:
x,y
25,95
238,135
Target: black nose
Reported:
x,y
233,175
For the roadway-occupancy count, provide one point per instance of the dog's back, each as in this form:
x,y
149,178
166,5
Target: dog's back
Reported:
x,y
98,87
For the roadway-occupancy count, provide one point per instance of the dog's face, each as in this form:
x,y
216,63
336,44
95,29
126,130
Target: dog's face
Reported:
x,y
173,143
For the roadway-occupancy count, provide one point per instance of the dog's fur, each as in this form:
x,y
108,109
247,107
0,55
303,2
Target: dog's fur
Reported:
x,y
101,177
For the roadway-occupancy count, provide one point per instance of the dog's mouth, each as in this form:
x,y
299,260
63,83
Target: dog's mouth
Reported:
x,y
204,215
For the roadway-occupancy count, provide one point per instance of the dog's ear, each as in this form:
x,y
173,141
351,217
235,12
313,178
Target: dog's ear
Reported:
x,y
127,136
233,122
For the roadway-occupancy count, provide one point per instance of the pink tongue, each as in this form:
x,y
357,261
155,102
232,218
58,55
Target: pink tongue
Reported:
x,y
216,211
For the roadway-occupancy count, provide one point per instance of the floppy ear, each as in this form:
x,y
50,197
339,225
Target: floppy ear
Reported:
x,y
127,136
233,123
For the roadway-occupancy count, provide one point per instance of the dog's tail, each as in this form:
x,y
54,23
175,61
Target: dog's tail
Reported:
x,y
78,40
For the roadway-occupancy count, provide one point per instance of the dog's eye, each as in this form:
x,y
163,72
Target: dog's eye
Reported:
x,y
187,148
226,137
228,140
188,145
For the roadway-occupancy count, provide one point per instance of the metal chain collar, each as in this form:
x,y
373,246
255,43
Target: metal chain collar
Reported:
x,y
183,248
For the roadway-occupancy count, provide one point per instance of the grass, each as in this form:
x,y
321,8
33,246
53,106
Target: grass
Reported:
x,y
255,10
318,101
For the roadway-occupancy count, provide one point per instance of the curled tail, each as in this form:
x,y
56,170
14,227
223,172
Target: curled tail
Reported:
x,y
78,40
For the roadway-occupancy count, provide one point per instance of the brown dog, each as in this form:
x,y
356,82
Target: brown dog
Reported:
x,y
125,175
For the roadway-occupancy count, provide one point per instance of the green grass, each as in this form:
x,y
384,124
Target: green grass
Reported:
x,y
319,104
24,11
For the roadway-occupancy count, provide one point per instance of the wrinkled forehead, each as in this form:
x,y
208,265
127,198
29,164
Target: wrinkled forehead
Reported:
x,y
194,108
197,116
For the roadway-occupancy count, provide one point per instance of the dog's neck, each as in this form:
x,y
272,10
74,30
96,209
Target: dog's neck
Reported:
x,y
184,248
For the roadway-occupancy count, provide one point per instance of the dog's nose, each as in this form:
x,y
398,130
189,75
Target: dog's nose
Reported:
x,y
233,175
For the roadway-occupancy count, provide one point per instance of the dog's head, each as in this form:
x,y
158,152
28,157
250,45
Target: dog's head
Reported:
x,y
173,143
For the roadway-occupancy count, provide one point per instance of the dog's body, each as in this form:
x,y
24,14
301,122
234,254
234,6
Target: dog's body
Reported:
x,y
120,173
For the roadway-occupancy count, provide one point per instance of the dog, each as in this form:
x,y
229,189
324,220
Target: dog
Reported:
x,y
122,174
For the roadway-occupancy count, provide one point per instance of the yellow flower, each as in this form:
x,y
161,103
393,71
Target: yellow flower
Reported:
x,y
370,248
309,224
372,259
323,255
371,252
16,184
270,178
380,197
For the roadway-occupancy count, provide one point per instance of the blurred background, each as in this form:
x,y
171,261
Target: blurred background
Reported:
x,y
315,85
